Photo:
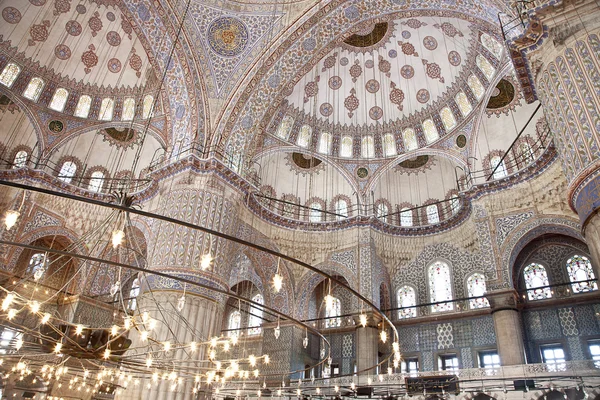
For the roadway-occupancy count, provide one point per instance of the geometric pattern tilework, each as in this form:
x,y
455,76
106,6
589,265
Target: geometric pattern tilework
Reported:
x,y
409,338
575,350
347,347
445,338
542,324
343,351
463,337
567,322
483,331
466,358
587,323
427,360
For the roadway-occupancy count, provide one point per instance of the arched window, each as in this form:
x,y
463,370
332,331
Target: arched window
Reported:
x,y
447,118
255,318
235,323
34,89
304,136
67,171
454,205
286,127
407,300
332,314
367,147
106,109
148,106
484,65
382,211
406,217
536,279
96,181
463,103
325,143
492,45
9,74
526,153
133,294
475,288
430,131
20,159
341,209
315,214
83,106
389,145
410,139
128,109
37,262
580,269
433,215
440,287
59,100
499,172
346,147
476,86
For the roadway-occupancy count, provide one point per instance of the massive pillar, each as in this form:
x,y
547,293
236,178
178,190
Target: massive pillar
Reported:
x,y
367,344
509,336
561,54
179,252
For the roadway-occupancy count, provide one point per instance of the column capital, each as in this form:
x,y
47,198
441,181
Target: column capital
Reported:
x,y
507,299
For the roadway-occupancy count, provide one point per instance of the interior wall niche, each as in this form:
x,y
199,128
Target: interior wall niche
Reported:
x,y
367,38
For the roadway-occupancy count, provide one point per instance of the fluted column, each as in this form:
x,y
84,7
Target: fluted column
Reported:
x,y
561,50
509,335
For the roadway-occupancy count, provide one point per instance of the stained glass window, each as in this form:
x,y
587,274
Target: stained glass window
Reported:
x,y
315,214
332,314
463,103
382,211
447,118
83,106
406,217
106,109
535,279
128,109
36,262
304,136
148,106
341,209
67,171
499,172
580,269
485,66
59,99
492,45
475,288
286,127
133,294
433,215
96,181
235,323
346,147
407,299
255,318
368,147
410,140
34,89
20,159
431,133
454,205
9,74
440,286
389,145
325,143
476,86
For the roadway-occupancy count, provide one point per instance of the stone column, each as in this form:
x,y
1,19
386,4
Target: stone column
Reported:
x,y
177,251
509,336
559,54
367,344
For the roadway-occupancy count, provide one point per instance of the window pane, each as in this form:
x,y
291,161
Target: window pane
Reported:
x,y
9,74
499,172
476,86
133,294
389,145
96,181
476,287
286,127
440,288
332,315
433,216
341,209
315,214
20,159
485,66
536,278
346,147
447,118
492,45
325,143
304,136
36,263
382,211
128,109
430,131
454,205
106,109
406,217
148,106
580,269
463,103
410,140
34,89
255,318
83,106
368,147
67,171
235,322
406,298
59,99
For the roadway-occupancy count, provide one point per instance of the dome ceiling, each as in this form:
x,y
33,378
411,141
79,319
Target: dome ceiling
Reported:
x,y
86,41
406,71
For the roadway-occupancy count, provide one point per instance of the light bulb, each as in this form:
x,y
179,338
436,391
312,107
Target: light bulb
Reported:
x,y
117,237
7,301
45,318
58,348
37,275
107,353
193,347
389,371
353,386
181,303
19,344
35,307
267,359
114,330
152,324
298,392
218,365
167,346
305,342
115,288
396,347
336,388
363,320
277,282
205,261
212,355
79,330
256,372
277,331
252,360
10,218
144,336
396,363
12,313
318,390
226,347
127,323
383,335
